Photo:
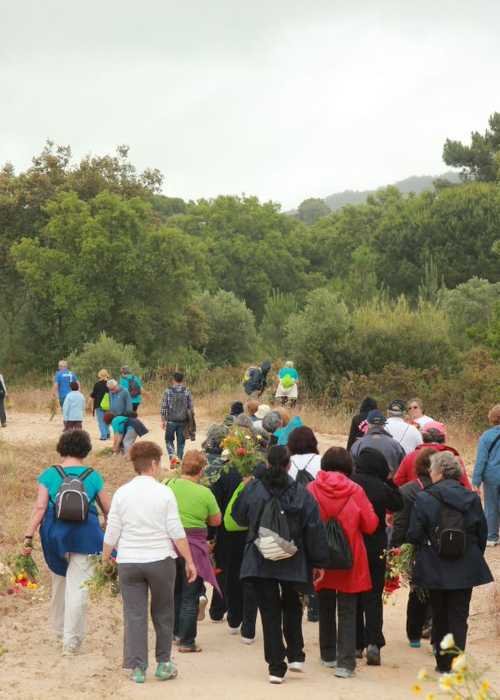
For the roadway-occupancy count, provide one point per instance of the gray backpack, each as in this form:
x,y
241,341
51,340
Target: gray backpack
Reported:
x,y
72,501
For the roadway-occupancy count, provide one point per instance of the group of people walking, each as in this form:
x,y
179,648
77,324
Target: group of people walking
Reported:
x,y
301,529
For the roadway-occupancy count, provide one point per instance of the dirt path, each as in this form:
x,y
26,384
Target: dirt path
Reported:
x,y
34,669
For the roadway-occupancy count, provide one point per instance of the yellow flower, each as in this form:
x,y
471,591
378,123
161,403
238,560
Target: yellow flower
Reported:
x,y
446,682
447,642
458,678
459,663
423,675
430,696
417,689
485,685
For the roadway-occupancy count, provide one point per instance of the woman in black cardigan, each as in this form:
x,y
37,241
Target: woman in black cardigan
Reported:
x,y
449,581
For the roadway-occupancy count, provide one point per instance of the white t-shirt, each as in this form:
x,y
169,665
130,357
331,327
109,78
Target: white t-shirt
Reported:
x,y
310,462
407,435
423,420
142,522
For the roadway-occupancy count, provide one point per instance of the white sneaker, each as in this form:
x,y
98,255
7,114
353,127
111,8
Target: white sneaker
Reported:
x,y
202,606
233,630
276,680
248,640
296,666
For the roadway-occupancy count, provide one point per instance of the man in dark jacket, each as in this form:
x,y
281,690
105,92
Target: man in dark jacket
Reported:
x,y
377,438
277,583
372,473
449,580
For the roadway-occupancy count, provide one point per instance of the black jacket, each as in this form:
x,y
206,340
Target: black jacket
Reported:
x,y
372,474
401,521
98,392
433,572
307,531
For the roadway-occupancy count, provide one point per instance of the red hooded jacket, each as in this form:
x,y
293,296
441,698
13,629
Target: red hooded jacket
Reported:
x,y
340,498
406,471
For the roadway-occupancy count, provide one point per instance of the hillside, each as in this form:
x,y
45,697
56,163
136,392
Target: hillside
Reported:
x,y
415,183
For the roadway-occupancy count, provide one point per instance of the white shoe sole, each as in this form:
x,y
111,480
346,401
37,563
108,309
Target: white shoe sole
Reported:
x,y
247,640
296,667
275,680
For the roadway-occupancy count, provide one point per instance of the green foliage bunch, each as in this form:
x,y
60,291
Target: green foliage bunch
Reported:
x,y
103,353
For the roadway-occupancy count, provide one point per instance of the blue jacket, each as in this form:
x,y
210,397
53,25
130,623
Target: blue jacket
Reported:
x,y
74,406
487,467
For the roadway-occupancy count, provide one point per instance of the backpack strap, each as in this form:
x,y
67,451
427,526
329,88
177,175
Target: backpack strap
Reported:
x,y
490,448
85,474
59,470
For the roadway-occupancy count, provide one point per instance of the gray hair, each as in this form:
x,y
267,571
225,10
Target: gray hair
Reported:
x,y
447,465
244,421
111,383
272,422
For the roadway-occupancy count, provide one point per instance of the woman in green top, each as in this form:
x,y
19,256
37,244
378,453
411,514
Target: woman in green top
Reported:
x,y
197,509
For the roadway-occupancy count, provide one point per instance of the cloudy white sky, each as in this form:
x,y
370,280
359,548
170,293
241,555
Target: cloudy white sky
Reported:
x,y
282,99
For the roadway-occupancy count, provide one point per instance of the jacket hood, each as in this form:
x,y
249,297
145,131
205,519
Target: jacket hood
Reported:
x,y
332,490
438,446
373,462
454,494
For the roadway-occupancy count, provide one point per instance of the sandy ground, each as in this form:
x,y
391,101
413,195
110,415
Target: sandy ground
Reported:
x,y
34,669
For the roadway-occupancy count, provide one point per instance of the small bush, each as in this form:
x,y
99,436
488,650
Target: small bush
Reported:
x,y
105,353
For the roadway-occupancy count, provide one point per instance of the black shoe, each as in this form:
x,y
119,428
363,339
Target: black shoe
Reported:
x,y
359,653
372,655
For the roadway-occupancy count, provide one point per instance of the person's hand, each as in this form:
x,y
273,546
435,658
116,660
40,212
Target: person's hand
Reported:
x,y
247,479
318,575
477,489
163,425
191,573
211,546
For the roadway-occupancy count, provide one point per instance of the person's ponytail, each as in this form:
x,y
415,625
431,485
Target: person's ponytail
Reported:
x,y
276,475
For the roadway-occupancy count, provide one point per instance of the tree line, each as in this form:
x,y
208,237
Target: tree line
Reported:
x,y
93,247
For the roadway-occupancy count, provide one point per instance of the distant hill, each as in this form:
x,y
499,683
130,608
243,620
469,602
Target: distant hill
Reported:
x,y
415,183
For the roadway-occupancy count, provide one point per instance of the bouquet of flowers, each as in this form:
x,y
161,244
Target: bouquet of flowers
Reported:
x,y
19,573
240,450
465,681
104,579
399,566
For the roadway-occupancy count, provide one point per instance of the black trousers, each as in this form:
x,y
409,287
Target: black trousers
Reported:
x,y
450,612
281,612
3,417
370,613
337,627
218,604
417,614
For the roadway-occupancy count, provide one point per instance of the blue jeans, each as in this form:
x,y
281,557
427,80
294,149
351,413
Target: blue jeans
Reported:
x,y
187,596
492,507
103,428
175,430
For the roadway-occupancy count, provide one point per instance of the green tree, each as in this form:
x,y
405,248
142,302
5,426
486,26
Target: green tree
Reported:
x,y
279,307
480,160
103,353
230,328
312,209
470,308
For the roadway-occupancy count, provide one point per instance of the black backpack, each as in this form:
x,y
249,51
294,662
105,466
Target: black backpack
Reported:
x,y
72,502
450,537
339,549
133,387
178,406
303,476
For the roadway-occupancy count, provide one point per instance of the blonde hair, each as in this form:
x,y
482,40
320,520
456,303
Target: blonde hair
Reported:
x,y
103,374
494,415
193,463
285,416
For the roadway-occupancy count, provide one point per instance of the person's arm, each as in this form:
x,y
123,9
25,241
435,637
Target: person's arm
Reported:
x,y
416,530
104,501
190,401
314,534
55,388
214,520
117,440
352,433
113,528
39,509
400,523
184,550
128,407
368,519
214,516
481,461
2,380
393,497
164,409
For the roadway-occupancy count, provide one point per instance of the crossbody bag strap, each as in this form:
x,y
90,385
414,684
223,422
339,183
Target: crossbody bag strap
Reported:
x,y
490,448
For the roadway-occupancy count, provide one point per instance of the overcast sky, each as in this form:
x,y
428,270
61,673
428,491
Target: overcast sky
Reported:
x,y
282,99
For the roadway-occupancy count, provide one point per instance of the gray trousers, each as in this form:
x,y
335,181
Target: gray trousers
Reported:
x,y
136,580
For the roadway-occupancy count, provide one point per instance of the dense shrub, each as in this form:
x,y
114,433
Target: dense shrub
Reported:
x,y
106,353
